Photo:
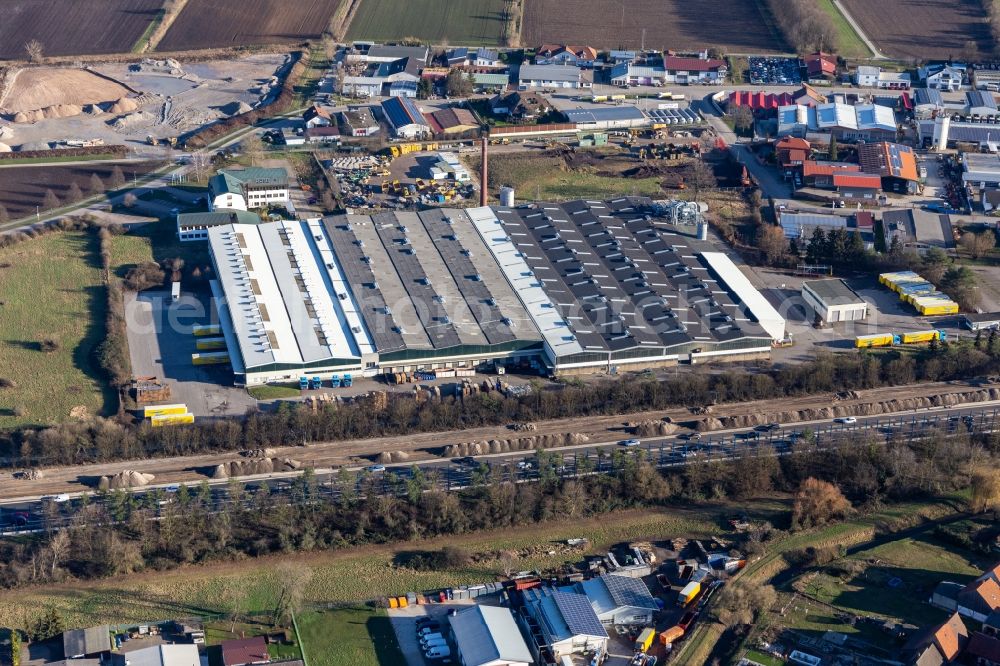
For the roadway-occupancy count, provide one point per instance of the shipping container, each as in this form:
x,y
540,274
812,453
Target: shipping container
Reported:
x,y
208,344
645,639
671,635
688,594
161,410
171,419
923,336
210,358
201,330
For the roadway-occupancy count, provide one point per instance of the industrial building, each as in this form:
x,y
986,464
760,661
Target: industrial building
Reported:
x,y
405,117
981,321
896,164
246,189
946,131
195,226
608,117
832,301
551,76
862,122
566,621
182,654
619,599
573,288
489,636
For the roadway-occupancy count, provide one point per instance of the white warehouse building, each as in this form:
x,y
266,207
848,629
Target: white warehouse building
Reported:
x,y
832,301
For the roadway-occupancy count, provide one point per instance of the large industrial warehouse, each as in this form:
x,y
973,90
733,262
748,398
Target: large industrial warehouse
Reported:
x,y
563,288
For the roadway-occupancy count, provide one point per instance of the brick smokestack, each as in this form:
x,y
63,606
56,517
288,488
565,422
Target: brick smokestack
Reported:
x,y
483,189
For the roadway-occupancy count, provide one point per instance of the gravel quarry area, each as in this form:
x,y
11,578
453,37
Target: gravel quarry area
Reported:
x,y
125,103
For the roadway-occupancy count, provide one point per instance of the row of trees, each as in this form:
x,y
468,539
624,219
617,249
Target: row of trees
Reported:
x,y
119,536
806,27
398,414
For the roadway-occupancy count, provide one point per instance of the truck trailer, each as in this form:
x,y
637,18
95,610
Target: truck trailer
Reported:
x,y
645,639
913,337
689,593
876,340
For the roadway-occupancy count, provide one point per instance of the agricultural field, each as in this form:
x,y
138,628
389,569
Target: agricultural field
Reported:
x,y
735,26
51,289
204,24
920,29
74,27
23,188
459,22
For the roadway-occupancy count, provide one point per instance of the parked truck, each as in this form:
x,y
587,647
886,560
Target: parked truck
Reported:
x,y
671,635
645,639
689,593
876,340
923,336
303,383
347,381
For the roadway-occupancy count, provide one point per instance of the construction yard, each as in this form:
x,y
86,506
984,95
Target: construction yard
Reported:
x,y
75,28
206,24
922,30
125,103
734,25
468,22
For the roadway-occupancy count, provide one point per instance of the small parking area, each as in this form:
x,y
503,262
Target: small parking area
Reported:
x,y
404,623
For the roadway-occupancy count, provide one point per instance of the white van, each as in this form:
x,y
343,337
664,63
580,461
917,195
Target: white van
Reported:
x,y
431,639
439,652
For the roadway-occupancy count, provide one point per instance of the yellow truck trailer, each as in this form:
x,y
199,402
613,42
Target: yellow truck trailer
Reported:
x,y
210,358
913,337
210,344
203,330
171,419
150,411
688,594
876,340
645,639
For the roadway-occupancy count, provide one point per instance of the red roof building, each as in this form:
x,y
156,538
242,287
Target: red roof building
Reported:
x,y
857,181
759,101
243,651
813,168
821,65
677,63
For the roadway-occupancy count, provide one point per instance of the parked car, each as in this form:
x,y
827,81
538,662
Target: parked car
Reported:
x,y
432,628
375,469
630,442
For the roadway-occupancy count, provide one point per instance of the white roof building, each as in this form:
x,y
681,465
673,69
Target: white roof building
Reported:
x,y
179,654
619,599
489,636
733,278
551,76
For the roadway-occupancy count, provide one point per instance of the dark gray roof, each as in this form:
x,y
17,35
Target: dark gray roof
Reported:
x,y
396,52
833,292
578,614
977,98
980,317
928,96
605,114
82,642
628,591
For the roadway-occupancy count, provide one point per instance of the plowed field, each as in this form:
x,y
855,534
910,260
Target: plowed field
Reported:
x,y
923,29
74,27
735,26
219,23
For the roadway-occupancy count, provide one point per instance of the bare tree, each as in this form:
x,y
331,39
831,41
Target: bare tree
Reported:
x,y
253,147
117,178
130,200
978,245
74,194
293,577
772,242
35,50
59,546
818,502
50,201
985,489
4,216
96,184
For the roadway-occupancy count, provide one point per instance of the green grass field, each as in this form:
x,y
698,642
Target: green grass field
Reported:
x,y
154,241
358,635
849,44
460,22
51,287
274,391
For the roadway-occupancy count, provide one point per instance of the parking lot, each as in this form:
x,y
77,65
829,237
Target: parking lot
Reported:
x,y
404,623
775,71
161,343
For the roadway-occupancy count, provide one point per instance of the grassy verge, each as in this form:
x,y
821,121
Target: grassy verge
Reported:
x,y
765,659
274,391
143,41
849,44
21,161
51,288
357,635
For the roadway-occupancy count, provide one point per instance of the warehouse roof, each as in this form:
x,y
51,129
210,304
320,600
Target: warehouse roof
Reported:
x,y
676,63
486,634
981,167
549,73
980,98
797,225
216,218
240,651
888,160
746,294
490,78
928,96
836,115
610,591
184,654
605,114
832,292
380,52
82,642
857,180
875,116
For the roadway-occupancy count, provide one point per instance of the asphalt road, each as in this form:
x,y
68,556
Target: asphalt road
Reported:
x,y
31,514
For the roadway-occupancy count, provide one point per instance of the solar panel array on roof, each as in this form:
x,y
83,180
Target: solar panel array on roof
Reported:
x,y
628,591
674,116
578,614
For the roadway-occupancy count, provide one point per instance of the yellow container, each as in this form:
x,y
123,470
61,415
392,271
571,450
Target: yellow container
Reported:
x,y
171,419
402,602
393,603
208,344
202,330
210,358
920,336
877,340
160,410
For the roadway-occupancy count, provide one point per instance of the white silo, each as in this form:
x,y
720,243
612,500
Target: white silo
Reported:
x,y
507,197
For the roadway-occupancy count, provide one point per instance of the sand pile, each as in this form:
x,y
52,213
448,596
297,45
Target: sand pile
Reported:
x,y
126,479
34,145
515,444
236,108
133,120
54,111
4,148
393,457
123,105
42,87
6,132
251,466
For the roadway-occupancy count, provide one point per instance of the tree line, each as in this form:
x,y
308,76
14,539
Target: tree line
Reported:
x,y
805,26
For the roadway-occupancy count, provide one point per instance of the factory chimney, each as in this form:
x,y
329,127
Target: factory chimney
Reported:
x,y
482,177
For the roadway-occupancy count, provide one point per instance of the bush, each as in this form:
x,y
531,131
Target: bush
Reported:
x,y
48,345
144,276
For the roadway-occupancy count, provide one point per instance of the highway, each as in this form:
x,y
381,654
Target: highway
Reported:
x,y
37,514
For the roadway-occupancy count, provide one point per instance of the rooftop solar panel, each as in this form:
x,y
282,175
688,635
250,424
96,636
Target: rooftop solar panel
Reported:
x,y
578,614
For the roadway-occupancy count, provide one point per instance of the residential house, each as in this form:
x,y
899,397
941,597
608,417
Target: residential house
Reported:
x,y
551,76
567,621
980,103
948,639
405,118
979,598
485,57
565,54
691,71
458,57
451,121
358,121
625,74
894,163
316,116
194,226
246,189
983,650
244,651
792,152
808,96
520,106
943,76
382,53
619,599
489,636
173,654
821,67
866,76
89,642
